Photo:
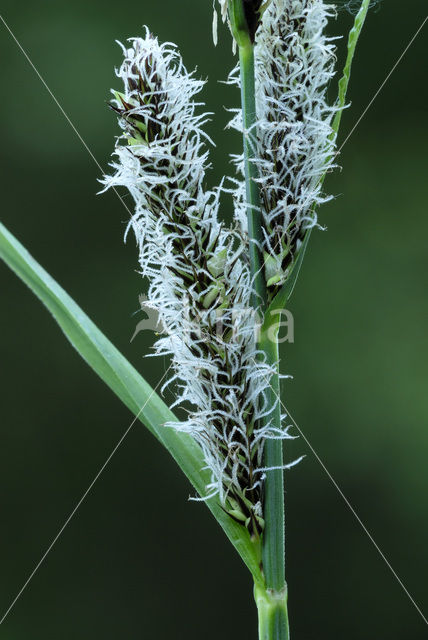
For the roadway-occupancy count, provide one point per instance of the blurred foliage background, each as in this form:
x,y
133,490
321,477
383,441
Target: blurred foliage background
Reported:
x,y
138,560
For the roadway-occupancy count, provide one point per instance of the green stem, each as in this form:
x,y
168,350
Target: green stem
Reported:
x,y
248,100
273,617
272,601
273,546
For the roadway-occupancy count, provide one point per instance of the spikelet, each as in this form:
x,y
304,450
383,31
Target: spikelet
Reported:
x,y
295,143
199,280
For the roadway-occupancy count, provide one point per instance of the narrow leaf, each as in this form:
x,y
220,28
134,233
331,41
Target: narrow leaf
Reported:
x,y
126,383
354,34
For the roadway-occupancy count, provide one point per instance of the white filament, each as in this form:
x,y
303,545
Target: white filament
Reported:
x,y
209,331
294,146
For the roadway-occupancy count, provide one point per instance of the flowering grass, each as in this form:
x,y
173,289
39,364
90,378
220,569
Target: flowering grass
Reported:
x,y
218,289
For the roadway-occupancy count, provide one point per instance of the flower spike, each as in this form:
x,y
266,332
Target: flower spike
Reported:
x,y
199,280
294,143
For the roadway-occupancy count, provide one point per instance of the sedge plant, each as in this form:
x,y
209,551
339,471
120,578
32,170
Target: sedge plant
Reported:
x,y
218,289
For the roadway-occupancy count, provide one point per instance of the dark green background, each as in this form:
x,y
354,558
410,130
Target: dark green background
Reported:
x,y
138,560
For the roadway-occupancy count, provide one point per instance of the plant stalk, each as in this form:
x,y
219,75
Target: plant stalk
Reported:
x,y
273,616
248,100
272,600
273,543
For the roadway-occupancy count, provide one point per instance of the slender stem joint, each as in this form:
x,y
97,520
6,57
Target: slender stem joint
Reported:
x,y
273,616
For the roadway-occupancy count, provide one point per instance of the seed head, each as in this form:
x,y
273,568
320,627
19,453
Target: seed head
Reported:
x,y
295,143
199,280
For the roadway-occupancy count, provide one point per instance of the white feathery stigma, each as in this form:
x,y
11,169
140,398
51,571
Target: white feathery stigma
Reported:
x,y
199,279
295,142
223,9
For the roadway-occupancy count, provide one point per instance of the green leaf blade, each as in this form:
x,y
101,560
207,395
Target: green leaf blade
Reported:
x,y
353,37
